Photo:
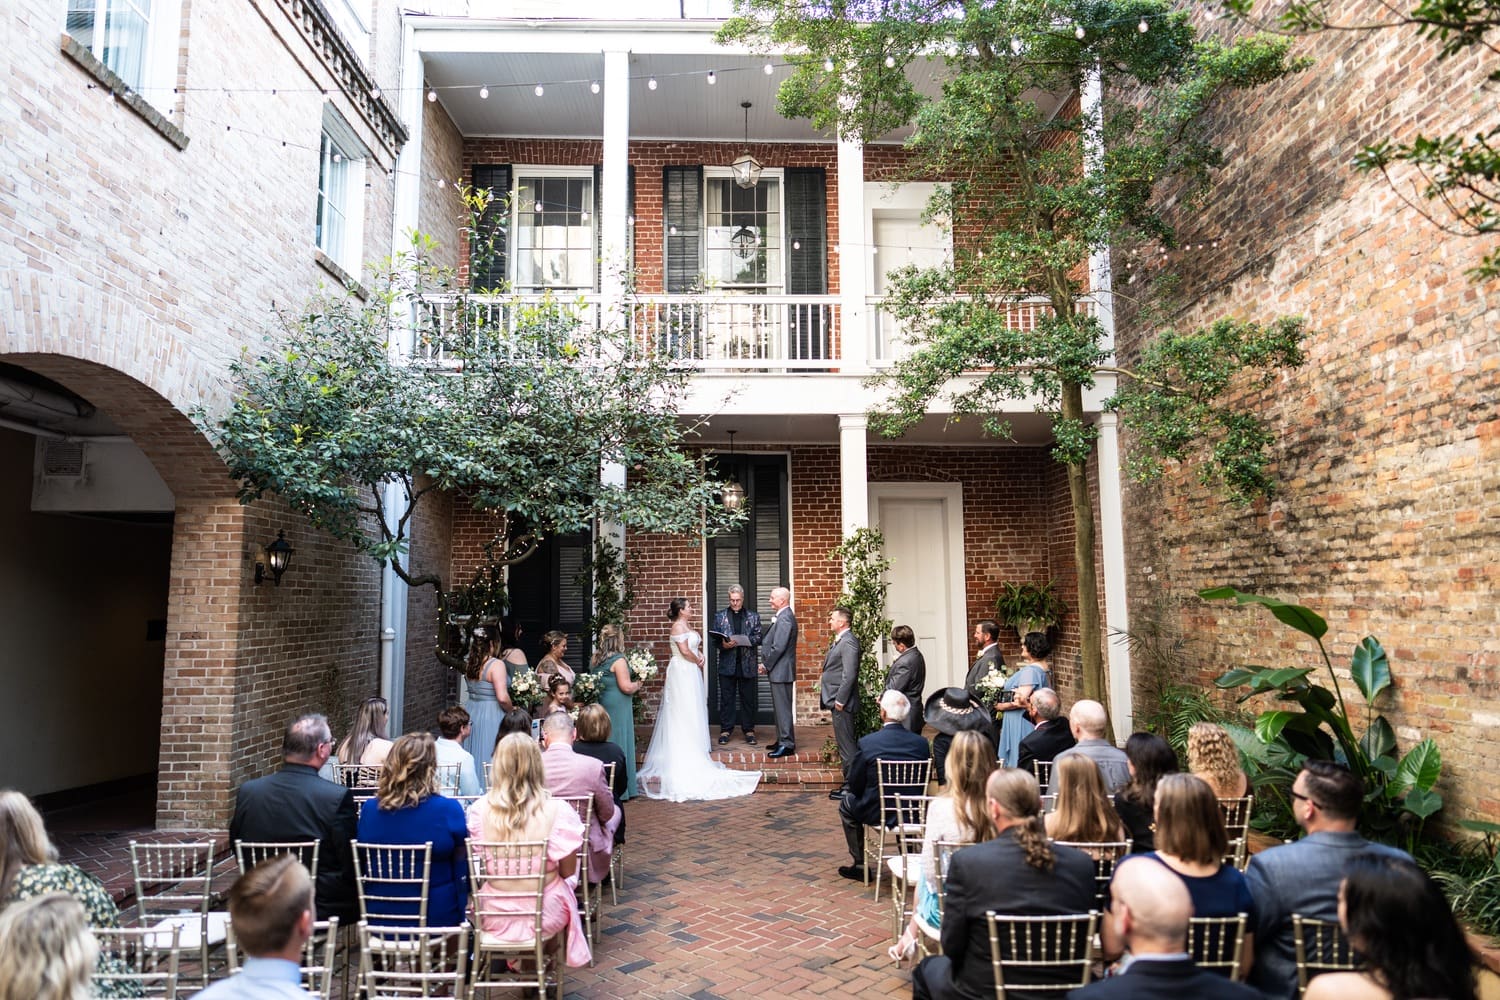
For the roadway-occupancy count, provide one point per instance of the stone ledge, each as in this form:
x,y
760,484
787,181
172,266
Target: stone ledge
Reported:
x,y
75,51
349,283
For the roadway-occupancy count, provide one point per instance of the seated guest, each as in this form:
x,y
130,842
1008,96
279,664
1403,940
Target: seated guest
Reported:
x,y
950,711
1149,912
594,731
271,910
559,696
1212,756
453,723
958,815
46,950
517,720
1304,877
1398,920
518,808
908,673
860,805
367,742
408,810
1018,872
294,804
1052,734
1089,724
571,774
29,868
1082,813
1148,757
1190,840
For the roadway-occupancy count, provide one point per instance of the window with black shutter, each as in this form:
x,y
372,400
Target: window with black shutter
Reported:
x,y
489,255
807,259
683,210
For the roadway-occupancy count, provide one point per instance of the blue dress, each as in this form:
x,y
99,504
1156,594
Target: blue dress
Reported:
x,y
485,714
621,711
1014,726
441,820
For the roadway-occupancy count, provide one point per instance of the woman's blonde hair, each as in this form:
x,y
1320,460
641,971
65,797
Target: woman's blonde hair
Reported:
x,y
517,795
1018,796
410,772
1084,813
1211,753
593,724
23,838
611,643
970,760
369,724
46,950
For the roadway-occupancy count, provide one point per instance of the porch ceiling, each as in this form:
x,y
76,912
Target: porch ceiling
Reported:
x,y
1029,429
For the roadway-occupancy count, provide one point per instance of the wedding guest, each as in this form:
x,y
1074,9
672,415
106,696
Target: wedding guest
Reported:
x,y
552,663
46,950
958,815
29,868
908,673
1212,756
1011,710
616,697
567,773
1398,920
1052,734
987,638
1083,813
951,711
271,908
1149,757
1089,723
517,720
408,810
367,742
519,808
559,697
860,806
594,740
455,726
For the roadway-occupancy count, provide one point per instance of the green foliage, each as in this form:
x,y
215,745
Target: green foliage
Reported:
x,y
1006,130
862,555
1457,175
1180,706
1031,607
613,585
1469,873
1399,788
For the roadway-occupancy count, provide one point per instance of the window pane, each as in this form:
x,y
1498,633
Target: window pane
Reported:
x,y
80,22
333,198
126,25
554,233
743,235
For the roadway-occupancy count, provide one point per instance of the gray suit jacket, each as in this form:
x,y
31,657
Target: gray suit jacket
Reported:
x,y
841,672
987,661
778,649
908,675
1296,878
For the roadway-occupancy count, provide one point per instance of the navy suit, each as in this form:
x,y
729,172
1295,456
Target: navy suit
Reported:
x,y
860,806
1045,742
1170,979
296,804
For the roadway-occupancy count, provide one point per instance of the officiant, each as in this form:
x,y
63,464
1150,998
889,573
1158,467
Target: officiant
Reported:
x,y
736,630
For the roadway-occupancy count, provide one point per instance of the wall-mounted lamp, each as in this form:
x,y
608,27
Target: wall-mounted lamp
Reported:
x,y
732,496
278,557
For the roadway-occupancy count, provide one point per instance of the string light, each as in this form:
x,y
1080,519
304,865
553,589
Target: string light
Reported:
x,y
651,83
1079,33
712,78
594,86
828,65
538,90
769,69
890,62
1143,27
374,93
431,96
484,93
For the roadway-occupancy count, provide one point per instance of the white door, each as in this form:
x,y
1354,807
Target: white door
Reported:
x,y
920,525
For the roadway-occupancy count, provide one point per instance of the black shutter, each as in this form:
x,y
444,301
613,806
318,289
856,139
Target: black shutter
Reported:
x,y
489,260
683,224
807,261
598,211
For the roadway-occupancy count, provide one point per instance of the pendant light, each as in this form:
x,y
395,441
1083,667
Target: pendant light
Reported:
x,y
746,168
732,496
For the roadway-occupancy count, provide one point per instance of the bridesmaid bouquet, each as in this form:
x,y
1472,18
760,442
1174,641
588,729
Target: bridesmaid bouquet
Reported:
x,y
990,686
642,665
587,688
526,690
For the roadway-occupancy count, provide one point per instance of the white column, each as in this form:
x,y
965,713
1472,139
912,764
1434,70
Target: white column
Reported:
x,y
615,197
408,184
1112,541
854,485
854,329
1101,282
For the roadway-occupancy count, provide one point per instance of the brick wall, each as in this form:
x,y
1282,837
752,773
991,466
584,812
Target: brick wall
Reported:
x,y
1388,452
430,685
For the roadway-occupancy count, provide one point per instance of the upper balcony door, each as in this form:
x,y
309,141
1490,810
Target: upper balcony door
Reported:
x,y
555,242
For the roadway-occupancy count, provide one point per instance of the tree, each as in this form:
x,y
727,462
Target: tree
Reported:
x,y
1457,175
1039,178
514,407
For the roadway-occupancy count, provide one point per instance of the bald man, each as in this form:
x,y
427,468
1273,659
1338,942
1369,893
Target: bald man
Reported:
x,y
1089,724
1150,908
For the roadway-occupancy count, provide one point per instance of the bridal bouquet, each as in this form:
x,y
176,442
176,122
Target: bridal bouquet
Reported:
x,y
642,665
990,686
526,690
587,688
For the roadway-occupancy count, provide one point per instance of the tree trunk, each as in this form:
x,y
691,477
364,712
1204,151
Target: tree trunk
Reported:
x,y
1090,633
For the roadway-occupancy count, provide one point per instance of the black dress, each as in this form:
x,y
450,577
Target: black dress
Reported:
x,y
1140,824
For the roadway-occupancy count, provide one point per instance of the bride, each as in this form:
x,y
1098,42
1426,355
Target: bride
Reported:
x,y
678,767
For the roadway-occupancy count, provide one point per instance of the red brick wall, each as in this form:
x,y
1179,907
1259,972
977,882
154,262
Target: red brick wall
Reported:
x,y
430,685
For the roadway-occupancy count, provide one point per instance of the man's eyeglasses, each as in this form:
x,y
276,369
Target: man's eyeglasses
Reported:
x,y
1305,798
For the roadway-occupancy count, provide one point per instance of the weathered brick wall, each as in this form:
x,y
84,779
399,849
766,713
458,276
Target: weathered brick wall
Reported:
x,y
430,685
442,213
1387,437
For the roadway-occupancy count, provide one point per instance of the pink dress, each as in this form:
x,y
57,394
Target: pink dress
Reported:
x,y
559,899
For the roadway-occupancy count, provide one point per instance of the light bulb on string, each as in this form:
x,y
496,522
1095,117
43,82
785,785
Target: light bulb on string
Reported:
x,y
1143,27
828,65
538,90
769,69
374,93
712,78
594,87
890,62
651,83
484,93
1079,33
431,96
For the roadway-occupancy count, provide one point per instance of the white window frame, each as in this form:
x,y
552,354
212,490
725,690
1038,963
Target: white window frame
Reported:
x,y
347,250
778,174
158,77
352,18
529,171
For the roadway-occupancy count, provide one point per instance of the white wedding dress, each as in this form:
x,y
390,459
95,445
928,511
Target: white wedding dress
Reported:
x,y
678,767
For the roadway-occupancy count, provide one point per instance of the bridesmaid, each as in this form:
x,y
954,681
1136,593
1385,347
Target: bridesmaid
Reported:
x,y
552,662
1033,673
616,689
492,657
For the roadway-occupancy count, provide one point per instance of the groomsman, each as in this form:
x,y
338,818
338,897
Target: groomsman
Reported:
x,y
908,673
778,653
840,689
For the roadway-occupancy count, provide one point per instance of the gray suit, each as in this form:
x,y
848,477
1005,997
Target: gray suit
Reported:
x,y
988,660
908,675
1296,878
841,685
1112,762
778,653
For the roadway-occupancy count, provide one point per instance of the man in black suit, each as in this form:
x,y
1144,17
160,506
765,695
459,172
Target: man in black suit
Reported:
x,y
908,673
987,638
840,688
295,804
999,875
778,661
1052,734
1150,909
860,806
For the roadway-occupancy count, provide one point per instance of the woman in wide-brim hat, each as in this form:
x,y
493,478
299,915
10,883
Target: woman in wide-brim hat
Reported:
x,y
950,711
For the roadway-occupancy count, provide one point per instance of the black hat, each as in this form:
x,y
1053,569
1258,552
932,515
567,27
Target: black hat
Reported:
x,y
952,710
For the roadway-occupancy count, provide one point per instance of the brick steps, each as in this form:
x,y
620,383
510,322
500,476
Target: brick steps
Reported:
x,y
803,771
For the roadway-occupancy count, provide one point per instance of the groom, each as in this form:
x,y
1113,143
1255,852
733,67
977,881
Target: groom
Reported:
x,y
778,653
738,680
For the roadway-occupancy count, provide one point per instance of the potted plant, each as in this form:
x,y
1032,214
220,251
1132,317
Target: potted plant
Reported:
x,y
1030,607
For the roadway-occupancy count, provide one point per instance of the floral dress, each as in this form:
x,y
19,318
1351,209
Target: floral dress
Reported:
x,y
38,880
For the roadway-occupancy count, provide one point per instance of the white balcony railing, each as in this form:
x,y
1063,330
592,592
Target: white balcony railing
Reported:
x,y
887,338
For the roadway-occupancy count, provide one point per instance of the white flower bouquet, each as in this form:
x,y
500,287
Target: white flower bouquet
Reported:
x,y
642,665
587,688
526,690
990,686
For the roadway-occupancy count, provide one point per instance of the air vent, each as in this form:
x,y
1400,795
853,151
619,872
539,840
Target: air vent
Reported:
x,y
63,460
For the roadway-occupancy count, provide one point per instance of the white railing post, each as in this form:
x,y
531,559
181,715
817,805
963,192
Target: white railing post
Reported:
x,y
854,341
